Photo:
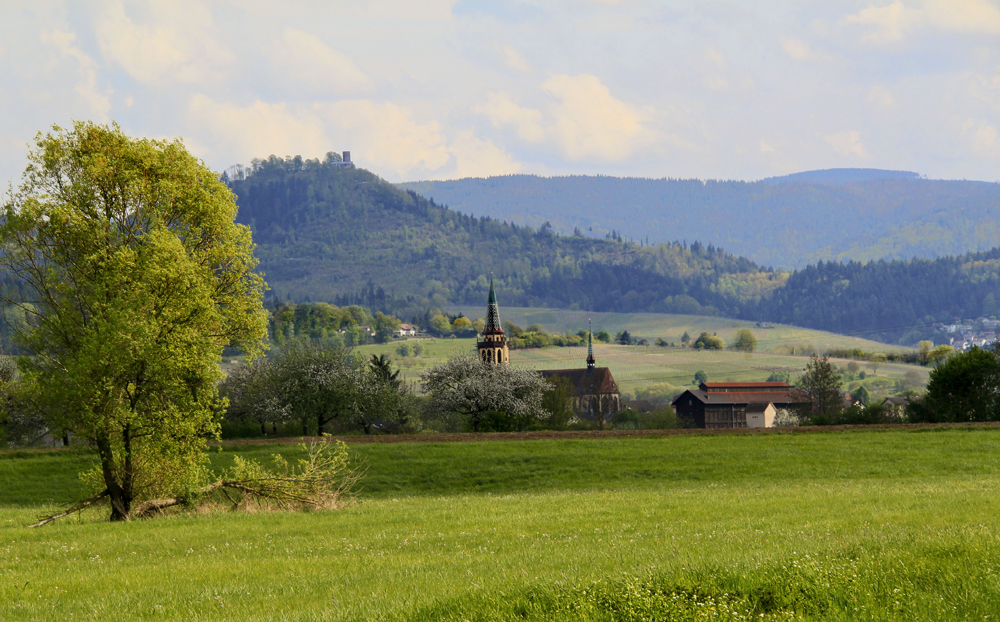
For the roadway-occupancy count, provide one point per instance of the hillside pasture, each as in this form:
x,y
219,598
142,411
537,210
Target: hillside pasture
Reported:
x,y
780,339
875,525
638,367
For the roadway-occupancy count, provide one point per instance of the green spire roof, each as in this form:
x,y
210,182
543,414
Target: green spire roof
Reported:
x,y
493,313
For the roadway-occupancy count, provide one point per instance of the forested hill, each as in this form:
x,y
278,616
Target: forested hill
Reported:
x,y
794,221
346,236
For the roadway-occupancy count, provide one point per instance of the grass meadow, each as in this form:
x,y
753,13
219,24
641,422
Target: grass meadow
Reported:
x,y
637,367
858,525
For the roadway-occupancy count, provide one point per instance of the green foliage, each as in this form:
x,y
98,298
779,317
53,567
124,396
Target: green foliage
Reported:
x,y
660,392
602,336
862,395
744,341
709,342
660,419
321,382
557,402
133,278
822,384
966,387
700,377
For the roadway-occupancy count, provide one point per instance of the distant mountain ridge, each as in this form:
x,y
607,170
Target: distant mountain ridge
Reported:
x,y
789,222
842,176
346,236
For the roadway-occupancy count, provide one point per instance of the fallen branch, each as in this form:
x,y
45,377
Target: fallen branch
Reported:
x,y
86,503
319,481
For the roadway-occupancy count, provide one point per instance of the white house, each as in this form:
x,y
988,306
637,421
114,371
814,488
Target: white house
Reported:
x,y
406,330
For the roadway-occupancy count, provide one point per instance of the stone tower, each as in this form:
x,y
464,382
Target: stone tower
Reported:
x,y
493,346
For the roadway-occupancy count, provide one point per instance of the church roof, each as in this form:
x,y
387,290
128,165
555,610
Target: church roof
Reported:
x,y
586,381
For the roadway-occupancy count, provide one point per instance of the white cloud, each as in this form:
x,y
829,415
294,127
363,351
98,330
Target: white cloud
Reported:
x,y
309,61
971,16
890,23
589,123
885,24
475,157
258,130
181,45
796,49
765,147
501,110
716,57
514,60
847,143
881,96
984,137
96,100
385,138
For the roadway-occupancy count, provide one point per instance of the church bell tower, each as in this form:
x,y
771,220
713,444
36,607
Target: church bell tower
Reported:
x,y
493,346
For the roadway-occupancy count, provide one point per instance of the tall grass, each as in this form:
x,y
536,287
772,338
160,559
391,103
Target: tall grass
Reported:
x,y
866,525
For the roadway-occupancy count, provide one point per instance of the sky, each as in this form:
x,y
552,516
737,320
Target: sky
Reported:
x,y
444,89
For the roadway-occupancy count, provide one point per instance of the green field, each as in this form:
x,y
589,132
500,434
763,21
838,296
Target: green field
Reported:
x,y
779,339
883,525
637,367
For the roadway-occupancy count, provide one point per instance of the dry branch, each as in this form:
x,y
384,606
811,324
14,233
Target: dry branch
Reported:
x,y
82,505
322,480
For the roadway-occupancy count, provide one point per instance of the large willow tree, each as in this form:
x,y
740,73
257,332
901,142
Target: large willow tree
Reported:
x,y
126,260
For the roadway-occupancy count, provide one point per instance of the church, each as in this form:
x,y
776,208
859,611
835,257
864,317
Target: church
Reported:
x,y
594,389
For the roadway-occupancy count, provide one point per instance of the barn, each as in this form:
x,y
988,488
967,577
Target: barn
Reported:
x,y
735,404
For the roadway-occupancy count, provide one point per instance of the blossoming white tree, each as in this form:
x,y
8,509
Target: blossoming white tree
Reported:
x,y
465,386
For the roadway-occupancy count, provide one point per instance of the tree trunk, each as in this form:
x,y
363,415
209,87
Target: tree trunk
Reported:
x,y
263,430
65,439
274,428
305,427
475,425
367,427
120,502
321,425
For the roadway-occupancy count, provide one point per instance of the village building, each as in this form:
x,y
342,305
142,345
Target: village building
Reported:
x,y
492,347
406,330
595,392
734,404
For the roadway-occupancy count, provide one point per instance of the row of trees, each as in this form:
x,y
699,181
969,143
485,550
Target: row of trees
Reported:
x,y
317,382
322,321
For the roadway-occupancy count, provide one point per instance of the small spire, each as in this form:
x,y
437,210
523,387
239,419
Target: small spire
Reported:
x,y
591,361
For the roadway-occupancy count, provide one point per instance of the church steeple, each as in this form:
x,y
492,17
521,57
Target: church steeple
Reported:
x,y
492,313
493,348
591,361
